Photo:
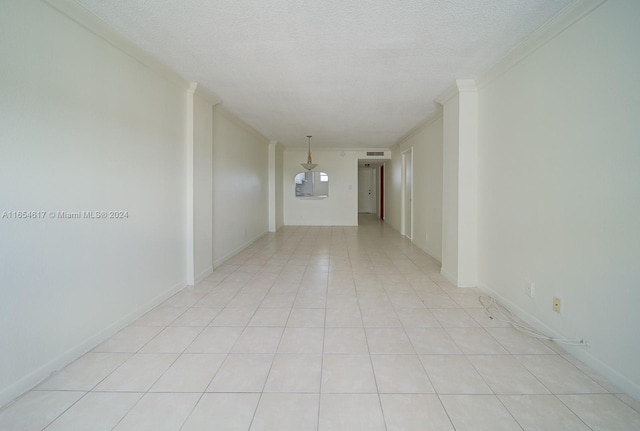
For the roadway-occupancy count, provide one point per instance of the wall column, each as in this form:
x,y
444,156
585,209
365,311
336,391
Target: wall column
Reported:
x,y
460,188
273,145
199,170
190,243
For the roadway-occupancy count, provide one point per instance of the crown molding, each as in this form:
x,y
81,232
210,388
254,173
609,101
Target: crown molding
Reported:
x,y
447,94
82,16
191,89
554,27
223,111
460,86
466,85
207,95
276,144
418,128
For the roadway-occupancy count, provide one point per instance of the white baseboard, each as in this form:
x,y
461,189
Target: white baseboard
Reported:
x,y
456,281
219,261
13,391
583,354
519,312
204,274
450,277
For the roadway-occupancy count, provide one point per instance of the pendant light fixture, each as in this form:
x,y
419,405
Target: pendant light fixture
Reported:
x,y
309,165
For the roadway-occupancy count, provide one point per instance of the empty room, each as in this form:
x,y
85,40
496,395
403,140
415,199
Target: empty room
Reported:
x,y
319,215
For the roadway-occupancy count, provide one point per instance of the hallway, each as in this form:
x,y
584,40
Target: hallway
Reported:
x,y
323,328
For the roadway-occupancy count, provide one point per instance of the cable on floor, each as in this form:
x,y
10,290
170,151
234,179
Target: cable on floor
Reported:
x,y
502,314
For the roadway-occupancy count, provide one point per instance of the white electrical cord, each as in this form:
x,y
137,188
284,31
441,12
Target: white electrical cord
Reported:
x,y
508,318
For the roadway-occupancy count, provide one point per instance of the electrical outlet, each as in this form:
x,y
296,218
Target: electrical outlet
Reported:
x,y
528,289
556,304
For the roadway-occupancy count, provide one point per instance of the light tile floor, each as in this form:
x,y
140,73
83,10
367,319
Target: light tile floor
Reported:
x,y
323,328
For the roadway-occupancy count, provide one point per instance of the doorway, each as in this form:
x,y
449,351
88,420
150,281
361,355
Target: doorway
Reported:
x,y
371,187
366,190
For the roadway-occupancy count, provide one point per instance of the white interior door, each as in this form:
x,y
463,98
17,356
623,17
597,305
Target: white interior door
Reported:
x,y
366,193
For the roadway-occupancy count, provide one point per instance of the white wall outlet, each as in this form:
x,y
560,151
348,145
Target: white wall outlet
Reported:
x,y
426,236
528,289
557,304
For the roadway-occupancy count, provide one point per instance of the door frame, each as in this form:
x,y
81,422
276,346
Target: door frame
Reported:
x,y
381,200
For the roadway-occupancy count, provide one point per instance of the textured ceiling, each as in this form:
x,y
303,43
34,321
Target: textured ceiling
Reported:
x,y
351,73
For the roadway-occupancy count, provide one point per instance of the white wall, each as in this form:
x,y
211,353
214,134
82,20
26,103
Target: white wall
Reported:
x,y
84,127
341,207
427,186
559,187
240,185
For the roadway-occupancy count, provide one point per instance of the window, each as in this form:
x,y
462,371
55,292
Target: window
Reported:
x,y
312,185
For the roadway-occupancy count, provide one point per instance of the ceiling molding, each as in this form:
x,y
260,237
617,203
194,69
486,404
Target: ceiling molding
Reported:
x,y
255,101
222,110
191,89
207,95
447,94
79,14
558,24
357,75
417,129
460,86
466,86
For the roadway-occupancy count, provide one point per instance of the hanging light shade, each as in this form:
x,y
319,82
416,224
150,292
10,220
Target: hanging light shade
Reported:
x,y
309,165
